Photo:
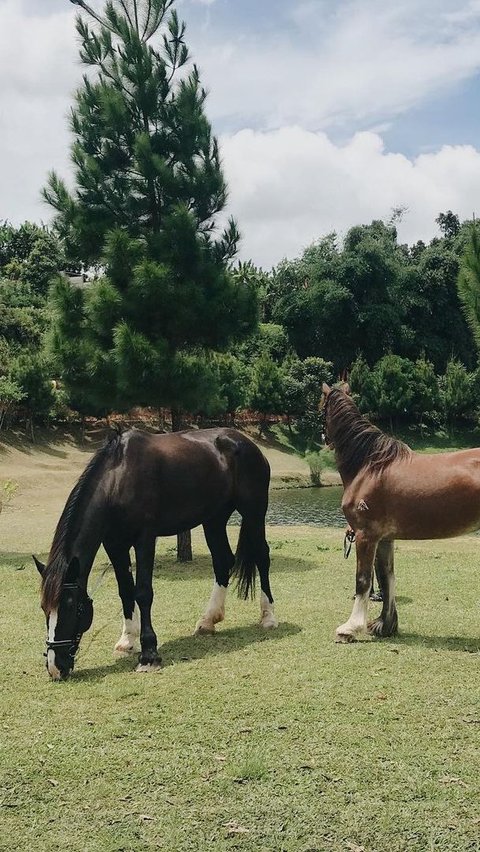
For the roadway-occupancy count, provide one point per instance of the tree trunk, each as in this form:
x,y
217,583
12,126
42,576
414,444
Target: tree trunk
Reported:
x,y
184,547
184,539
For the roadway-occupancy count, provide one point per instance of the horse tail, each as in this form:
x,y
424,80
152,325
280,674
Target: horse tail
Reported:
x,y
245,567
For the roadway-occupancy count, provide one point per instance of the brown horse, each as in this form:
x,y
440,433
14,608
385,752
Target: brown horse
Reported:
x,y
391,492
140,486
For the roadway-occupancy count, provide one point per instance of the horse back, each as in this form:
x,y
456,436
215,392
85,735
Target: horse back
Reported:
x,y
178,480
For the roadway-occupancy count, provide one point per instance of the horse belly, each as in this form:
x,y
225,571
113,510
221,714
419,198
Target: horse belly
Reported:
x,y
444,513
188,507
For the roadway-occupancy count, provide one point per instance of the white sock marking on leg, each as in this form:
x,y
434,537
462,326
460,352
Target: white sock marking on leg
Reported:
x,y
267,615
215,610
130,633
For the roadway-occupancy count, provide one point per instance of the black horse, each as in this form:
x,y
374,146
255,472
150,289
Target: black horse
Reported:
x,y
140,486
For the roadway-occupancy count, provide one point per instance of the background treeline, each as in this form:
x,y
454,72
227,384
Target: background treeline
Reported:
x,y
390,314
172,322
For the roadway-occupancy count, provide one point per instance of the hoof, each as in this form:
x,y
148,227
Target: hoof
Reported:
x,y
268,622
123,649
204,629
379,628
376,597
344,638
376,628
148,668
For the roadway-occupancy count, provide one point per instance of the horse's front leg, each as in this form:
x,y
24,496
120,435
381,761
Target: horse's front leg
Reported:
x,y
387,622
149,659
119,555
357,623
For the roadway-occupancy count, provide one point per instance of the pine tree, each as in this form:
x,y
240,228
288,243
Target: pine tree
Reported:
x,y
468,284
149,188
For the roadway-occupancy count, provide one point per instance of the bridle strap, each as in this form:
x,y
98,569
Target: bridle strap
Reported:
x,y
72,644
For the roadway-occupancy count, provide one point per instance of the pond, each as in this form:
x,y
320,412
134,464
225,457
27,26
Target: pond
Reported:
x,y
318,507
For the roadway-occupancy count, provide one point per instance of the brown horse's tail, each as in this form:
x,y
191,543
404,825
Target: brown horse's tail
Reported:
x,y
245,568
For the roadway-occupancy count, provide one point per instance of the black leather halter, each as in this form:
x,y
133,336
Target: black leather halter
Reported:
x,y
84,620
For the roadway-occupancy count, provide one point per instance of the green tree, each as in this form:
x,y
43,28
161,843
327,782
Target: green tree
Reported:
x,y
31,254
425,400
394,383
338,303
148,190
469,284
233,382
265,392
449,224
301,392
457,388
364,387
434,318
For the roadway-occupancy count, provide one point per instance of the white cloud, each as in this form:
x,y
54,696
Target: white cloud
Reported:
x,y
39,71
353,63
289,187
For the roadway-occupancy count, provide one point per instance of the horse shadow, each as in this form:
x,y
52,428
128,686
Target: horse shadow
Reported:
x,y
464,644
185,649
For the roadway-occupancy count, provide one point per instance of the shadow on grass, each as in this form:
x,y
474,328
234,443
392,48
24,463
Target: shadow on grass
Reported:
x,y
51,441
168,568
187,648
470,645
18,562
403,600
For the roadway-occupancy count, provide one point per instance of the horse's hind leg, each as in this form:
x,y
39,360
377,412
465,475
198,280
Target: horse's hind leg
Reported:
x,y
253,552
119,556
357,623
223,560
262,555
387,622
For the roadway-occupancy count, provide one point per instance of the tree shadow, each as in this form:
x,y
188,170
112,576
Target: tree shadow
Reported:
x,y
52,440
184,649
167,568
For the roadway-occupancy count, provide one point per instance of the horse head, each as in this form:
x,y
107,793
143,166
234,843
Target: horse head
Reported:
x,y
69,614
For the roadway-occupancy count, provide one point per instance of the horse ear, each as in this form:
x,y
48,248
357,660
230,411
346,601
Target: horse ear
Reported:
x,y
73,570
347,389
326,389
40,565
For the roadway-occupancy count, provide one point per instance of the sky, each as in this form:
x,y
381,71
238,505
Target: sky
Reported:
x,y
329,113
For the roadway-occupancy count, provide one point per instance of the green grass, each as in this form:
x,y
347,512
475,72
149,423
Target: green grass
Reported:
x,y
248,741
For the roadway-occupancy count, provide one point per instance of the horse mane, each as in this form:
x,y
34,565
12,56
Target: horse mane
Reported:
x,y
60,551
358,443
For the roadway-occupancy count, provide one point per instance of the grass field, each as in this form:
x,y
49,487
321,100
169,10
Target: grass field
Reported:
x,y
248,741
244,741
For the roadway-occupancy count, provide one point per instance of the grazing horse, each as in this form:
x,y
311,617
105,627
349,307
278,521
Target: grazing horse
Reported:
x,y
140,486
391,493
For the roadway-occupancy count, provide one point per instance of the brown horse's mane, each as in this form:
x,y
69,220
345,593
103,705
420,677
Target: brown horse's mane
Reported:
x,y
358,443
60,552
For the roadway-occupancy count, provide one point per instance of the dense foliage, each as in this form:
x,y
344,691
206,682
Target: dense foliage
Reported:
x,y
29,257
169,321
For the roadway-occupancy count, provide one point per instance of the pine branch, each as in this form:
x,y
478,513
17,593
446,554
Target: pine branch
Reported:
x,y
88,9
468,285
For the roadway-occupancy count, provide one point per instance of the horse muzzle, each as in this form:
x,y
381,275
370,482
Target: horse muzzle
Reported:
x,y
60,659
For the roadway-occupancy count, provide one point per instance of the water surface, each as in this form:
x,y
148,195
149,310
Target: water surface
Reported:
x,y
318,507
